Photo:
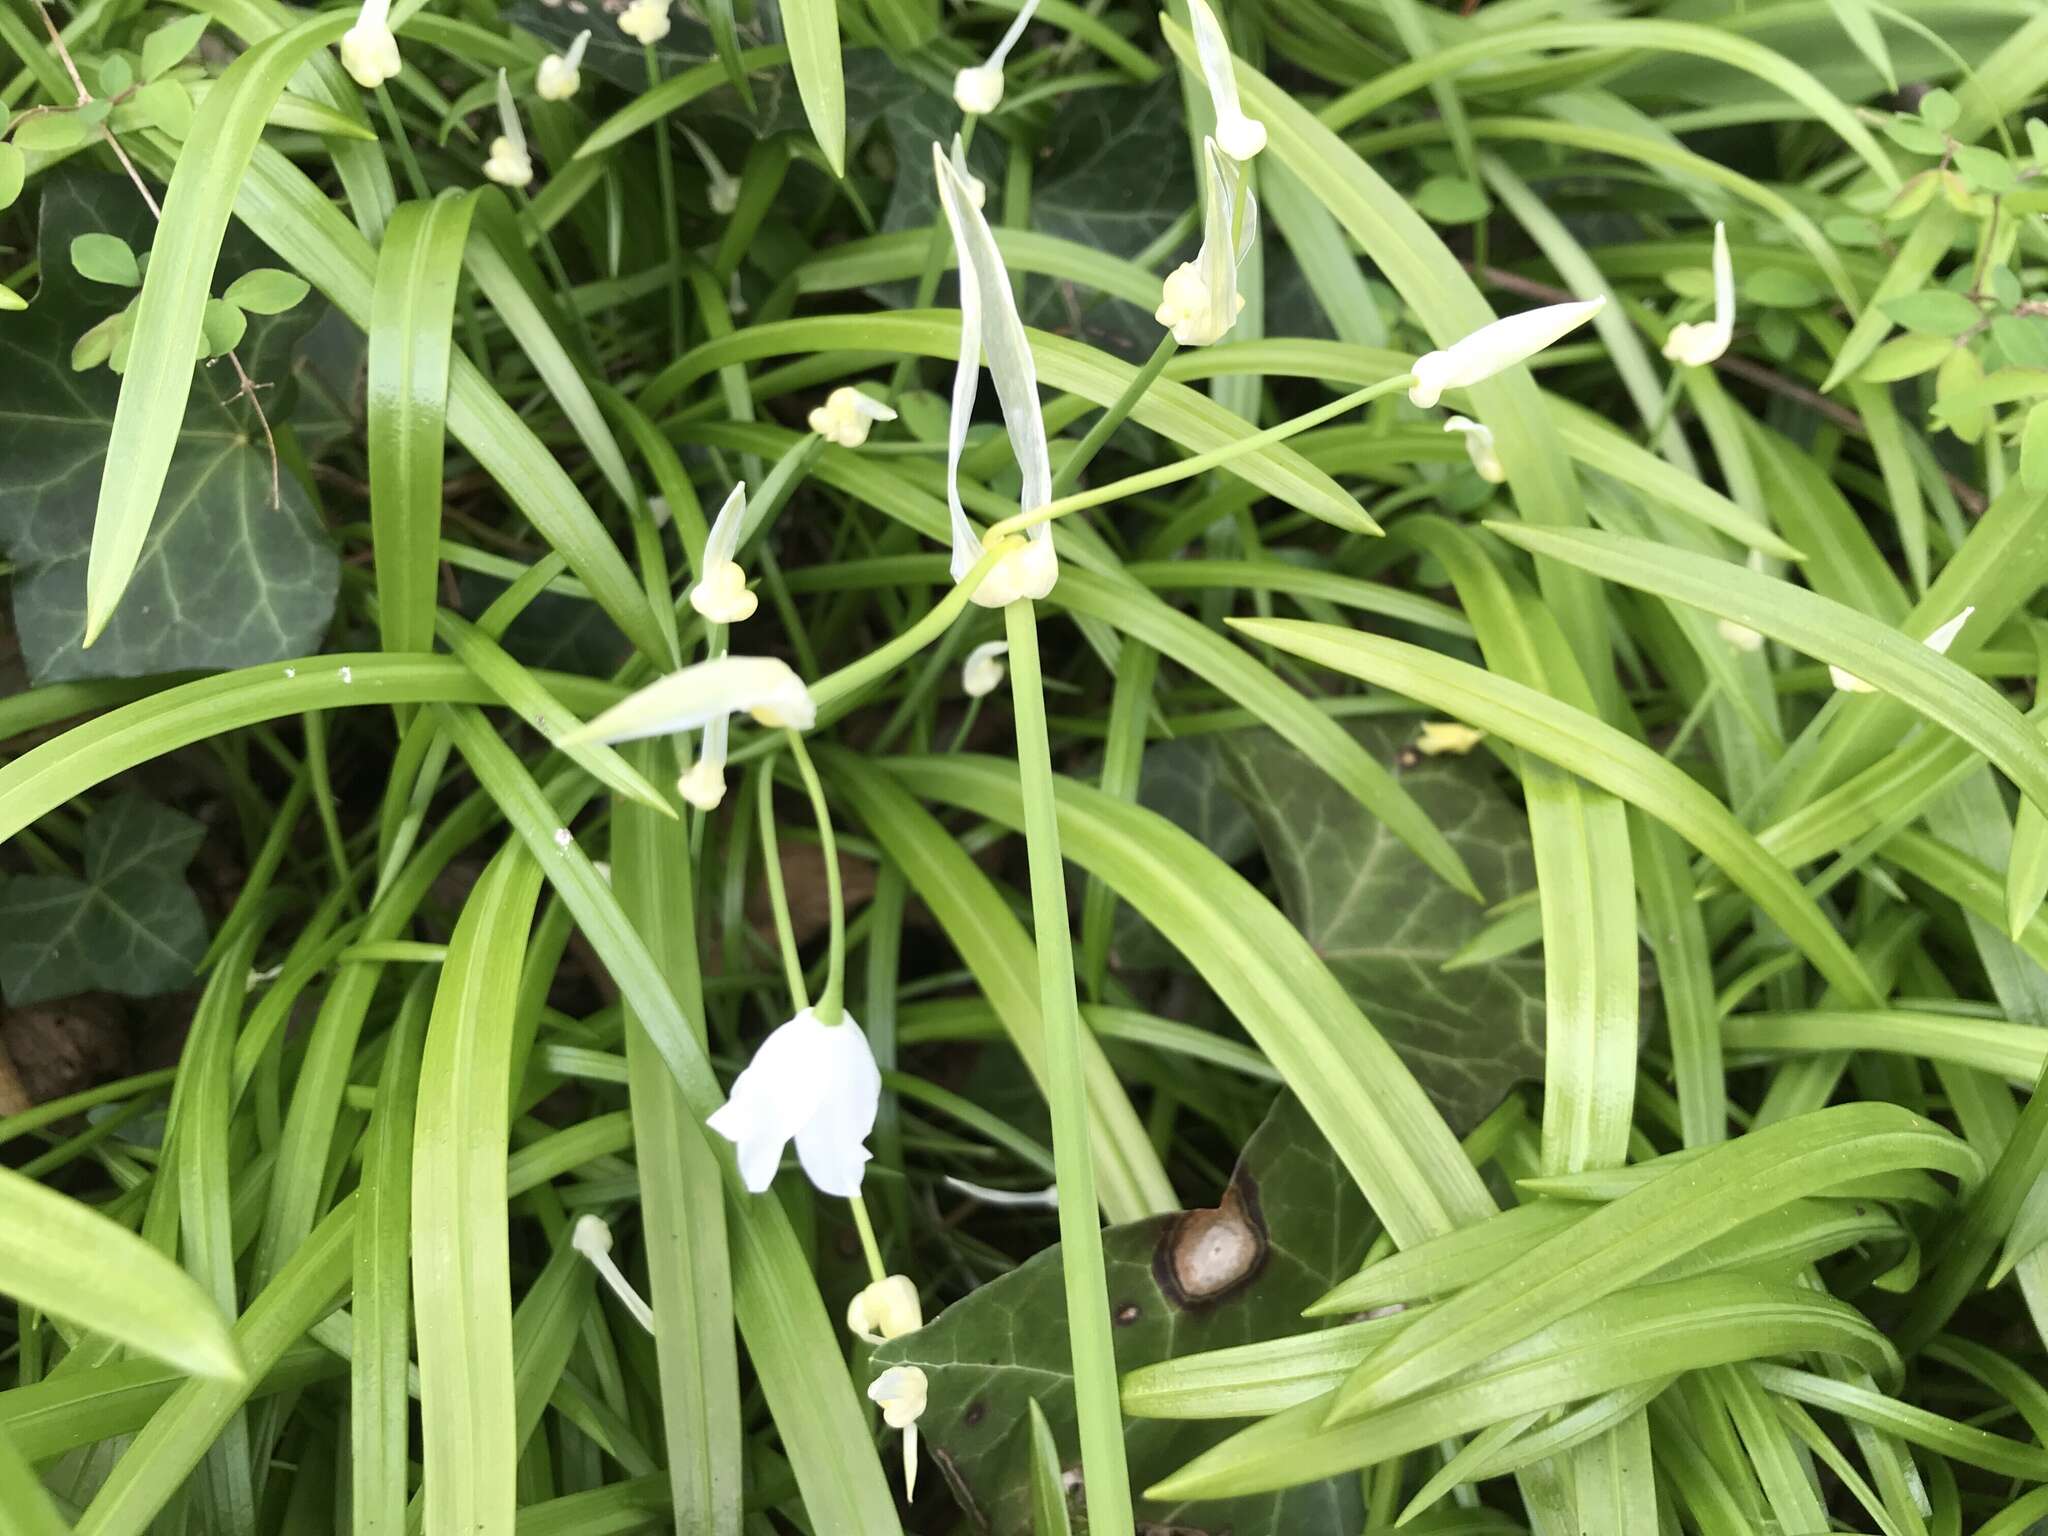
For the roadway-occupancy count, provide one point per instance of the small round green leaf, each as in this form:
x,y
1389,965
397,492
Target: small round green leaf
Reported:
x,y
1933,312
167,106
105,259
1451,200
222,329
1904,356
52,132
1939,110
266,291
169,44
13,171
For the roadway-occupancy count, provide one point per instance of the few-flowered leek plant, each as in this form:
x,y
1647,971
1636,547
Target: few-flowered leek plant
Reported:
x,y
1199,301
978,89
1240,136
1496,347
369,51
1938,642
509,165
1697,343
560,75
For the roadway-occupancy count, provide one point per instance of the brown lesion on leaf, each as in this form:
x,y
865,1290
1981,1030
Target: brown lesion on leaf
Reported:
x,y
1205,1256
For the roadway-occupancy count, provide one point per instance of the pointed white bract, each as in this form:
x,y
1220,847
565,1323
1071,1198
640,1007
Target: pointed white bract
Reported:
x,y
983,672
1479,446
722,188
1493,348
978,89
721,595
1702,341
1199,301
846,416
988,319
1938,642
689,700
560,74
369,52
510,165
1240,137
645,21
592,1238
812,1083
901,1392
885,1310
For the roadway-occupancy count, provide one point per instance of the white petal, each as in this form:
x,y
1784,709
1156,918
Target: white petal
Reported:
x,y
723,542
1944,637
508,115
697,695
1479,447
830,1143
1242,136
776,1095
1501,345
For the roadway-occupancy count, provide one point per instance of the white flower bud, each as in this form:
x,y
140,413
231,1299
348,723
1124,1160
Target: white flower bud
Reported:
x,y
509,164
902,1392
1494,348
368,50
885,1310
593,1239
978,90
1479,446
846,416
645,21
559,76
1696,344
983,672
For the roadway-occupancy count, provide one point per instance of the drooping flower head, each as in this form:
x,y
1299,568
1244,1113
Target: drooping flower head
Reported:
x,y
885,1310
645,21
1240,137
722,188
901,1392
368,50
1702,341
812,1083
1480,448
1938,642
1493,348
846,416
560,74
988,318
721,594
1199,301
510,165
592,1238
978,89
982,673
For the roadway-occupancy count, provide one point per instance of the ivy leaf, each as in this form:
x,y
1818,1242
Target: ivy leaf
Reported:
x,y
132,925
226,579
1178,1285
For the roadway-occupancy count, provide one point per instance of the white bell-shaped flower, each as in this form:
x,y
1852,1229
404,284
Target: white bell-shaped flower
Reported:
x,y
1199,301
1240,137
560,74
988,318
885,1310
689,700
1447,737
901,1392
721,594
645,21
722,188
1480,448
812,1083
1702,341
1493,348
592,1238
846,416
982,674
1938,642
978,89
369,52
510,165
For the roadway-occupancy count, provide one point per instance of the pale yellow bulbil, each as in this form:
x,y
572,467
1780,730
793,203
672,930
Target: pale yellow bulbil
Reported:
x,y
887,1309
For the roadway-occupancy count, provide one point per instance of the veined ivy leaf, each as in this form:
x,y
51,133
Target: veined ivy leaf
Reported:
x,y
226,579
1178,1285
131,925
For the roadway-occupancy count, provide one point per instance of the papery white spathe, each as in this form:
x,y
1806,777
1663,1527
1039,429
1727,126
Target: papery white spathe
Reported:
x,y
1199,301
988,317
846,416
1479,446
1702,341
510,165
812,1083
901,1392
762,686
368,50
1241,137
723,188
978,89
721,594
1495,347
1938,642
887,1309
592,1238
560,74
645,21
982,673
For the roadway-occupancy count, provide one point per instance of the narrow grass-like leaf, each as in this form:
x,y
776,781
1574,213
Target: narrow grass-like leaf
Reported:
x,y
812,27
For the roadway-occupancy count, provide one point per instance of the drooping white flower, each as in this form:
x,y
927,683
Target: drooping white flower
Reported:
x,y
1199,301
368,50
902,1392
1447,736
645,21
510,165
812,1083
1702,341
560,74
761,686
1938,642
978,89
1241,137
846,416
592,1238
721,594
982,673
1480,447
885,1310
722,188
1493,348
988,318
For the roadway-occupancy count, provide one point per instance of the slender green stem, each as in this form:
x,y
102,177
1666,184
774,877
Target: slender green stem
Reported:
x,y
836,687
1106,424
665,174
1104,1473
832,1002
778,898
869,1248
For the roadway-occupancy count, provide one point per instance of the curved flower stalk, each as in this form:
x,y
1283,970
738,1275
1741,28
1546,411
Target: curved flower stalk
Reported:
x,y
510,165
1199,301
560,75
812,1083
1479,446
901,1393
721,594
1494,348
847,415
723,188
982,672
592,1238
1240,137
645,21
886,1309
1700,342
978,89
369,51
988,318
1938,642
